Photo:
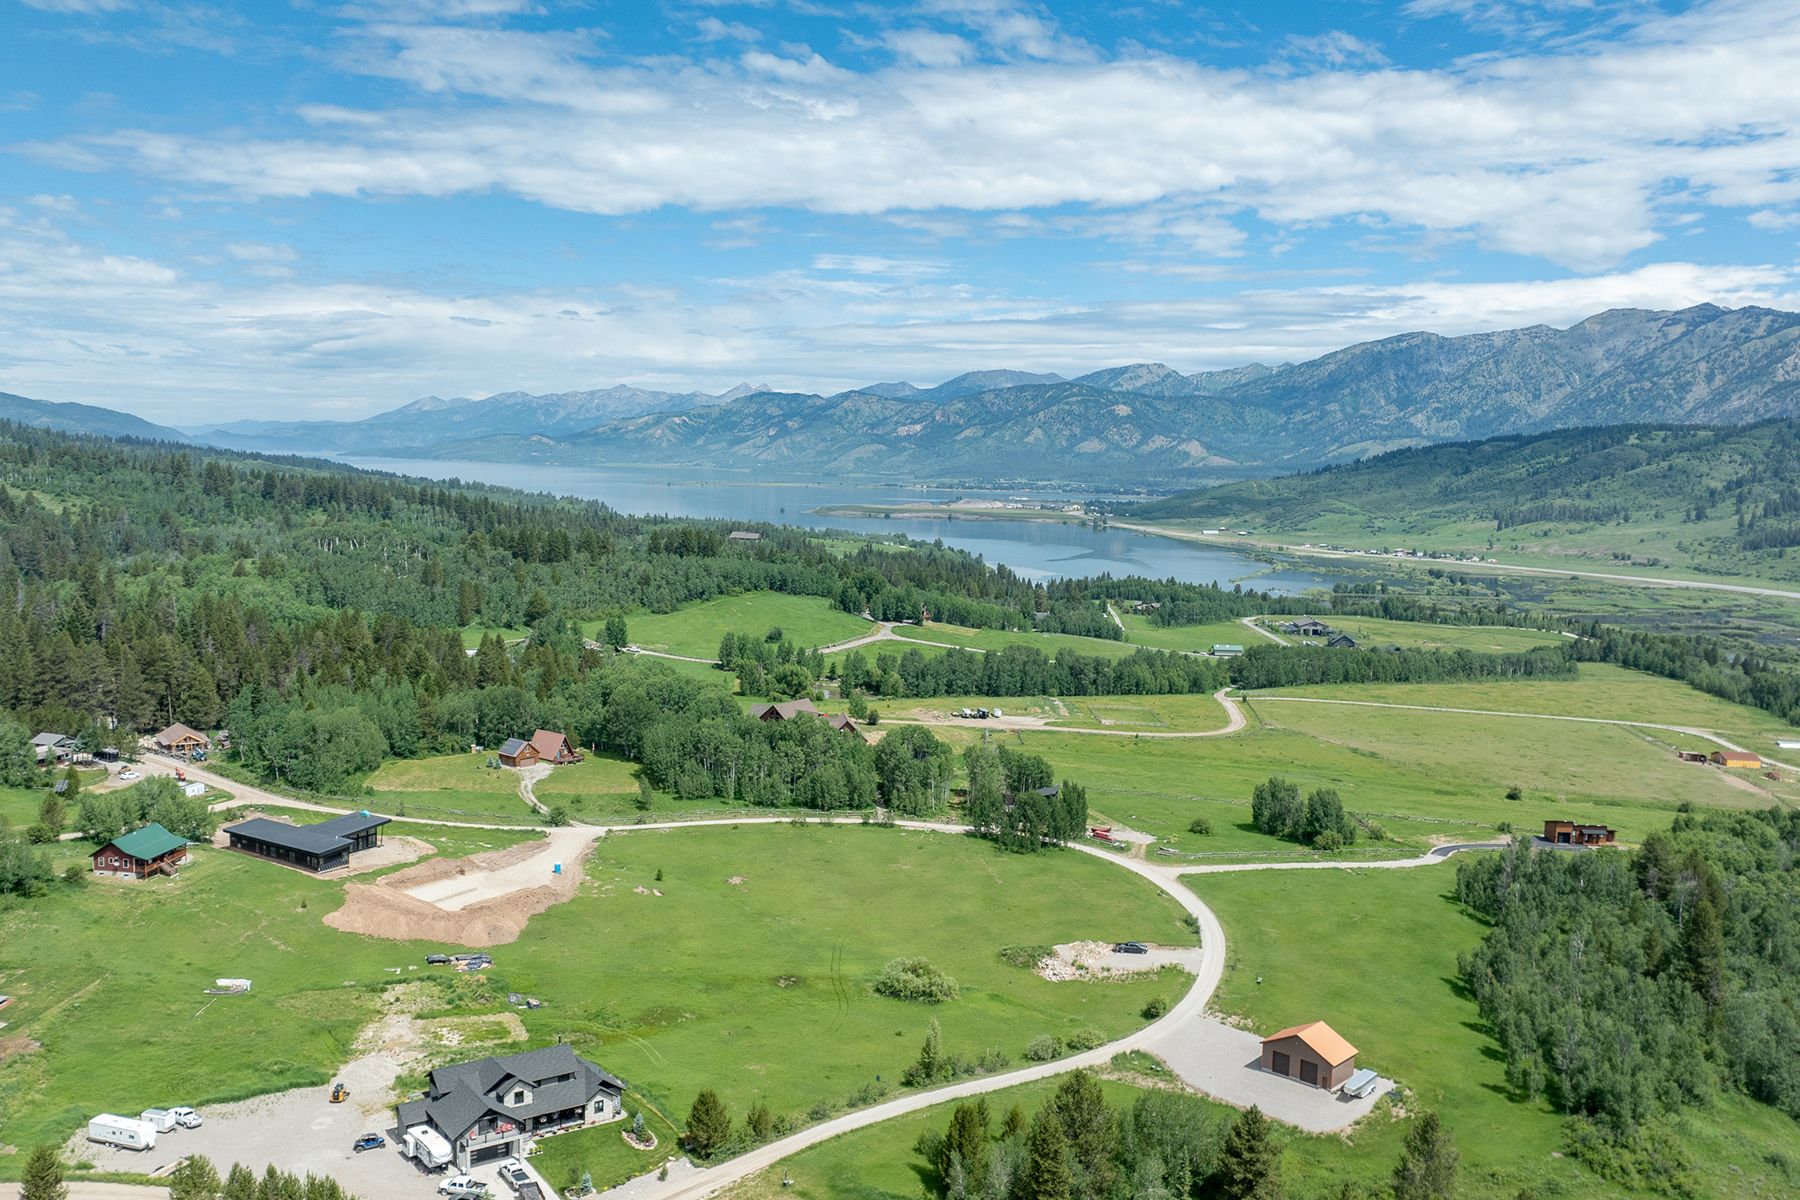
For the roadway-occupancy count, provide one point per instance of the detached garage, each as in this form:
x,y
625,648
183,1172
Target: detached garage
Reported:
x,y
1314,1054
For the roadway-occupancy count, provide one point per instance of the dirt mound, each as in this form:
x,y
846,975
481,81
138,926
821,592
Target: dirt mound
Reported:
x,y
385,909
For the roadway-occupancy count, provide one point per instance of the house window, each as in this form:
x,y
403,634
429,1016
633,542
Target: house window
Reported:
x,y
519,1096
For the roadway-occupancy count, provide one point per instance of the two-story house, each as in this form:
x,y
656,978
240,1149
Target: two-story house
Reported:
x,y
492,1108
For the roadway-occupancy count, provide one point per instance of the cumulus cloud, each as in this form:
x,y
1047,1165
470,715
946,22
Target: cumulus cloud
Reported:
x,y
1567,156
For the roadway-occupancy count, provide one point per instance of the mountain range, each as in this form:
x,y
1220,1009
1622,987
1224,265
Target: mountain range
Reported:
x,y
1141,423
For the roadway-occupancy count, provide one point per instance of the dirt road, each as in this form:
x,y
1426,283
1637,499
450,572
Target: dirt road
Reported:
x,y
1235,721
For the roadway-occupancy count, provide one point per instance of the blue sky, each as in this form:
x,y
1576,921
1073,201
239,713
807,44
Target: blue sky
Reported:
x,y
328,209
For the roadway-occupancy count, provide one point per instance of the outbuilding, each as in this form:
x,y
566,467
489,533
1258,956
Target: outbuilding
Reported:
x,y
1740,760
1226,650
517,752
326,846
1341,641
1312,627
1573,833
1314,1054
151,850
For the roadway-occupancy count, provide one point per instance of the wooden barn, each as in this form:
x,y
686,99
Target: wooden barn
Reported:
x,y
1738,760
1314,1054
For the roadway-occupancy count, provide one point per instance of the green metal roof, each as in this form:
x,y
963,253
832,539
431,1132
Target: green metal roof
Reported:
x,y
150,842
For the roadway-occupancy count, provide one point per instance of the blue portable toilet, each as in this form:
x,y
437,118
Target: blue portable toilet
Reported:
x,y
556,868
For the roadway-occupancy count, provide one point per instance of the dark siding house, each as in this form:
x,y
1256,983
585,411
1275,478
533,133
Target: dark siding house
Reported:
x,y
326,846
1573,833
142,853
494,1108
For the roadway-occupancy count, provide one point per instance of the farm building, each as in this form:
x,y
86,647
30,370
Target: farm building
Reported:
x,y
1312,627
1341,641
1226,650
743,535
787,710
1572,833
53,748
1741,760
179,739
492,1108
326,846
517,752
1693,756
1314,1053
142,853
553,747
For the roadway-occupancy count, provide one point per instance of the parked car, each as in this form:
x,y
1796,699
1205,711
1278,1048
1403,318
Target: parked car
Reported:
x,y
128,775
463,1186
1131,948
368,1141
515,1176
187,1118
436,960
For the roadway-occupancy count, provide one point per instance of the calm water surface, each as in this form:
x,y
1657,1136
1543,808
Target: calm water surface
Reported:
x,y
1039,550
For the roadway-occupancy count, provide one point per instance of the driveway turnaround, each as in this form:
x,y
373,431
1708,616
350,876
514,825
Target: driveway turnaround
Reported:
x,y
1227,1063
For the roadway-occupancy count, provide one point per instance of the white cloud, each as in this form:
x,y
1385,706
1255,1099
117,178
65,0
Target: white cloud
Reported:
x,y
1569,156
711,29
929,47
181,348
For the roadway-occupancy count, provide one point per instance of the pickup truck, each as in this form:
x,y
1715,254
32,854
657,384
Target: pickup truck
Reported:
x,y
513,1172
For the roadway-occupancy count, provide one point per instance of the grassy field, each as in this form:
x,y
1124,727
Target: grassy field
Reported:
x,y
19,806
759,988
1130,713
1608,692
450,787
999,639
695,630
1198,638
1413,1020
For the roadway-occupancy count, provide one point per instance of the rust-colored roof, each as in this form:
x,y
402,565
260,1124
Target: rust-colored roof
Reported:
x,y
1321,1039
548,744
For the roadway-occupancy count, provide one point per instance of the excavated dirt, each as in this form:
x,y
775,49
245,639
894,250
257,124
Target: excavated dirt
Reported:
x,y
386,908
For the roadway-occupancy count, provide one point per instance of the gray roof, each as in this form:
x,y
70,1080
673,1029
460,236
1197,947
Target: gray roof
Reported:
x,y
513,745
463,1093
326,837
51,739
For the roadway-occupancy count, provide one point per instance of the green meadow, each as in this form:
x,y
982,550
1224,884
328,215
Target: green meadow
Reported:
x,y
694,630
748,973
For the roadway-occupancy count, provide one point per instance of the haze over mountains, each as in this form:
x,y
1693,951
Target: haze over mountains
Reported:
x,y
1139,423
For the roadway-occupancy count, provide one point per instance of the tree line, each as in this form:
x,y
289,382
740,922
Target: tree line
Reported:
x,y
1020,670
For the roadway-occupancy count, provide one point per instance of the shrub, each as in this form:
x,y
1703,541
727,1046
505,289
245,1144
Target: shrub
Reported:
x,y
1329,842
1085,1038
1024,956
869,1093
1157,1007
1515,792
1042,1048
914,978
1201,826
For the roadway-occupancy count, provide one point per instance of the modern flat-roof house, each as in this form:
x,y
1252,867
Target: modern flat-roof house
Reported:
x,y
179,739
553,747
142,853
53,748
326,846
517,752
1573,833
1315,1054
493,1108
787,710
1741,760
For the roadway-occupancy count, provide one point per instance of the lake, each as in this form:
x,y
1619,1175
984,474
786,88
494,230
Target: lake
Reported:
x,y
1038,550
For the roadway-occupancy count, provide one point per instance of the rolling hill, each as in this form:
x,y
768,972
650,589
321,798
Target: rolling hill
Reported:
x,y
82,418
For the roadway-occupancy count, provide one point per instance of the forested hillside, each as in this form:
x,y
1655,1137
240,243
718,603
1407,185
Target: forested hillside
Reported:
x,y
1728,497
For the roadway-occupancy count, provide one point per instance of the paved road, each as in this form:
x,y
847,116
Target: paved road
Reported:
x,y
1250,624
98,1191
1694,731
1484,568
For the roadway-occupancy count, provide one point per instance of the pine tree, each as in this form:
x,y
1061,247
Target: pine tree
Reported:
x,y
965,1148
1427,1166
708,1124
1044,1175
1250,1164
930,1066
240,1183
1014,1123
1703,945
1091,1129
195,1179
43,1179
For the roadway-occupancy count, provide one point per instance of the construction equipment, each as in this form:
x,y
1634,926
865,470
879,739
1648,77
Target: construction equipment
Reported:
x,y
339,1093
